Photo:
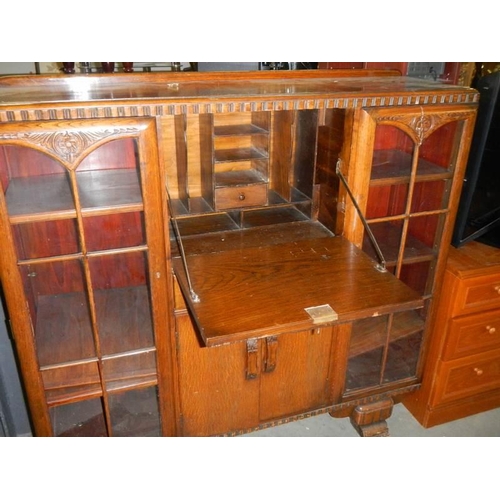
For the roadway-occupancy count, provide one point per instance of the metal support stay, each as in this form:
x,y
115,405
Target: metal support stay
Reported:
x,y
194,296
382,264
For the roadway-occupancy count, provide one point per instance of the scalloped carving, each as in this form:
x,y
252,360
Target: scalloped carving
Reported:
x,y
421,126
67,145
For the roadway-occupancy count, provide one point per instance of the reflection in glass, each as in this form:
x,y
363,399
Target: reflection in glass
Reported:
x,y
130,369
114,231
81,419
46,239
34,183
368,339
135,413
109,176
60,311
122,301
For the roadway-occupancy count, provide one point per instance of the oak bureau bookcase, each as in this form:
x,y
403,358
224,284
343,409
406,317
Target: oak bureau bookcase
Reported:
x,y
209,254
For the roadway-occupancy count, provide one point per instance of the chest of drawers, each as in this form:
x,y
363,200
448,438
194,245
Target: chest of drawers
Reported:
x,y
463,367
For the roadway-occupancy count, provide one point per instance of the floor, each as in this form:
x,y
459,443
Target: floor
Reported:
x,y
401,424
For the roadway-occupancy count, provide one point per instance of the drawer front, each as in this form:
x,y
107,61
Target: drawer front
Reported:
x,y
240,196
478,294
473,334
463,379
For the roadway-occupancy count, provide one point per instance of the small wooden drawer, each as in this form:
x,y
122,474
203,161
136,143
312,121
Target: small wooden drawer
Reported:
x,y
461,379
473,334
478,294
240,196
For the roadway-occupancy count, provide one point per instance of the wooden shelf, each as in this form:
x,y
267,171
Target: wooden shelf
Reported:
x,y
238,129
276,234
394,167
49,197
271,215
203,224
238,154
123,317
369,334
109,188
40,197
235,178
388,238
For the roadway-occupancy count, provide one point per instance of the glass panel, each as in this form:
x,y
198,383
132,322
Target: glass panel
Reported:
x,y
46,239
368,339
109,177
385,201
114,231
34,184
81,419
122,301
132,369
428,196
388,237
422,234
419,276
404,346
392,155
65,383
437,154
135,413
60,311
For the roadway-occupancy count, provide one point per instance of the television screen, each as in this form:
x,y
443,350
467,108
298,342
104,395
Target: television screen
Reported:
x,y
478,216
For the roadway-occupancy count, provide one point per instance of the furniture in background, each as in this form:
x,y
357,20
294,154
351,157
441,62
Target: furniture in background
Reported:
x,y
213,253
462,374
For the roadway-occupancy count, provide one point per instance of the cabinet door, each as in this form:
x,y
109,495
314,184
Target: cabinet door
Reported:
x,y
81,208
235,387
408,176
296,373
219,386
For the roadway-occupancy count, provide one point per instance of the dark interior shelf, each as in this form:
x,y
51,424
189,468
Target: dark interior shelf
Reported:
x,y
388,237
66,347
203,224
238,154
40,196
123,317
235,178
49,197
275,234
238,129
109,188
369,334
393,167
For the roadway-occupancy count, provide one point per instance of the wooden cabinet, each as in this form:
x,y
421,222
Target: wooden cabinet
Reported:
x,y
462,375
85,258
205,254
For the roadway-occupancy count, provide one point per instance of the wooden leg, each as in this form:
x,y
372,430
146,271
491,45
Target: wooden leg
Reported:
x,y
369,419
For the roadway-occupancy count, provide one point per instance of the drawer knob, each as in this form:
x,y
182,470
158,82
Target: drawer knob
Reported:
x,y
241,196
478,371
491,329
497,289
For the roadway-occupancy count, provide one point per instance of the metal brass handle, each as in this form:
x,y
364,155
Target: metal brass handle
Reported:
x,y
491,329
478,371
497,289
241,196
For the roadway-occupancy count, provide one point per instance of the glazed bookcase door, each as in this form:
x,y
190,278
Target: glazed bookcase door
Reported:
x,y
81,208
407,192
